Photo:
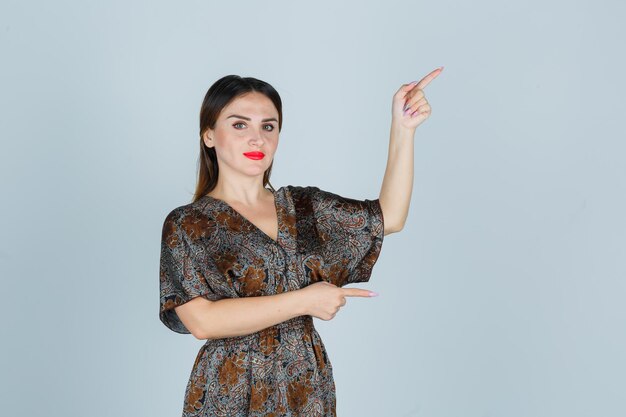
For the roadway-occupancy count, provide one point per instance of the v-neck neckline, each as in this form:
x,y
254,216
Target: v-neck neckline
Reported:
x,y
245,219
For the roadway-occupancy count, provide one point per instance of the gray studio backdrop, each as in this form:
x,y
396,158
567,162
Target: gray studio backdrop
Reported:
x,y
503,295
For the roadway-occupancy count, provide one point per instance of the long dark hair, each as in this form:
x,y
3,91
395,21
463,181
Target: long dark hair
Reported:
x,y
222,92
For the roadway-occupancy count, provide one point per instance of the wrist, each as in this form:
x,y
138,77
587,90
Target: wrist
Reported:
x,y
299,306
401,131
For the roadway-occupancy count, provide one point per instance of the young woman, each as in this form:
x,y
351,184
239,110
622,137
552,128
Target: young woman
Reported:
x,y
247,267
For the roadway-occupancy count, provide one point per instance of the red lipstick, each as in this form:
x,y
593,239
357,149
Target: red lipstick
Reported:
x,y
254,155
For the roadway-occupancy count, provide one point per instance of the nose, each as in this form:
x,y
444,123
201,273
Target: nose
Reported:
x,y
257,139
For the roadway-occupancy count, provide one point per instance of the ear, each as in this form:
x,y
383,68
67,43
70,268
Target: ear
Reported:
x,y
207,138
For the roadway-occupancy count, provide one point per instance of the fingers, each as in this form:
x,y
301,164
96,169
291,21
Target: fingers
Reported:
x,y
349,292
422,110
419,106
427,79
418,85
412,100
357,292
406,87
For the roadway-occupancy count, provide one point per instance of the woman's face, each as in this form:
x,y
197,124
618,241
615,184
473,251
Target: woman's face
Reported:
x,y
248,124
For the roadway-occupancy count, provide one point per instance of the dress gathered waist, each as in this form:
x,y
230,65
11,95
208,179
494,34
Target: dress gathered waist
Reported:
x,y
296,323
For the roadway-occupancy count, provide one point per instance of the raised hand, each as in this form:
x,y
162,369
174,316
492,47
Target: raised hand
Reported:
x,y
323,299
410,107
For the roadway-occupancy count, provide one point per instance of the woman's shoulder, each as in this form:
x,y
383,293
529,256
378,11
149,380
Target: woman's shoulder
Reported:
x,y
304,195
302,189
311,191
313,196
323,197
194,209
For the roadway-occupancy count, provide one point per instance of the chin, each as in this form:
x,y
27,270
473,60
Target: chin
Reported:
x,y
255,172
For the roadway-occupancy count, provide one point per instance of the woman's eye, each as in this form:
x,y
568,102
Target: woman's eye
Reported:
x,y
243,124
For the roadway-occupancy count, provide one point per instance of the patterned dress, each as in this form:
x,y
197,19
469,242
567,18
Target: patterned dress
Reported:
x,y
208,249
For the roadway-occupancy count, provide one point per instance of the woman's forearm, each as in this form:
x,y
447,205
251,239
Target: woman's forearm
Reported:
x,y
395,193
241,316
409,109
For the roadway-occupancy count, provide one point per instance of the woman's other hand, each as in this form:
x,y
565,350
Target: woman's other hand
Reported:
x,y
323,299
410,107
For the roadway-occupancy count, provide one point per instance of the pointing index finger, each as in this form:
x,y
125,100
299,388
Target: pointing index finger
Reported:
x,y
358,292
427,79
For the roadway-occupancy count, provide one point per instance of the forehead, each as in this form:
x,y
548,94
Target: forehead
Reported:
x,y
251,104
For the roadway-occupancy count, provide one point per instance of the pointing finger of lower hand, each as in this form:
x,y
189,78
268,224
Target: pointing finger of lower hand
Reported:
x,y
358,292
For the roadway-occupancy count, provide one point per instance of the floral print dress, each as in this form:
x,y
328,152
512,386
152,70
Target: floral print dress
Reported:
x,y
210,250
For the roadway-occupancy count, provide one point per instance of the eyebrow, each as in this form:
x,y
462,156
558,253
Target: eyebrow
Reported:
x,y
247,118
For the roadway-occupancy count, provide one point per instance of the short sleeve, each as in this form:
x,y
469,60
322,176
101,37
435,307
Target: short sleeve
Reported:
x,y
351,233
180,277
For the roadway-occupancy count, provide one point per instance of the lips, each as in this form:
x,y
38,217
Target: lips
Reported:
x,y
254,155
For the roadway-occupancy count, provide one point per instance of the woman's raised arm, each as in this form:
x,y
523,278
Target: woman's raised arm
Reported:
x,y
409,109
